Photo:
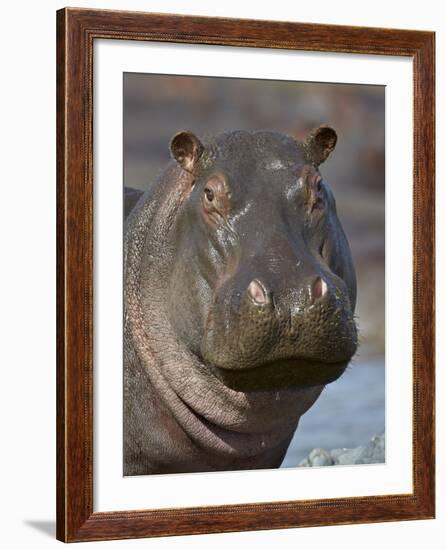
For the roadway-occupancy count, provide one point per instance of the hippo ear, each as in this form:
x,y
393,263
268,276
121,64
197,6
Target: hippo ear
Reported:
x,y
319,144
186,149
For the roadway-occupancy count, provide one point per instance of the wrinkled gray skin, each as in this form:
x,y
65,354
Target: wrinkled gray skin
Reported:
x,y
239,301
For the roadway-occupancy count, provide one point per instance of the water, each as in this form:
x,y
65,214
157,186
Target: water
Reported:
x,y
347,414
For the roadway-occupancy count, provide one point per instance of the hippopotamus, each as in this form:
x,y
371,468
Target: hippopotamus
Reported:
x,y
239,299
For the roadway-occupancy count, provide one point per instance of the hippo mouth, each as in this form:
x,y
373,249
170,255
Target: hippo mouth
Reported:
x,y
281,374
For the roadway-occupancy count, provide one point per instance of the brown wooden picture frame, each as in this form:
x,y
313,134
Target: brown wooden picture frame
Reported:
x,y
76,31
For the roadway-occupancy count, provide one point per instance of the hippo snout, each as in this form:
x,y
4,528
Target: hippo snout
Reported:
x,y
318,289
259,293
298,330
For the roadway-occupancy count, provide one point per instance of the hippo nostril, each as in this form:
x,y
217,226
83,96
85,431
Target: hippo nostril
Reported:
x,y
257,293
319,288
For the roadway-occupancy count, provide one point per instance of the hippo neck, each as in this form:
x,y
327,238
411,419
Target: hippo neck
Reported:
x,y
212,415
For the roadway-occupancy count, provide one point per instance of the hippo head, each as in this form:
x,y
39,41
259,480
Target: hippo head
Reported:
x,y
263,287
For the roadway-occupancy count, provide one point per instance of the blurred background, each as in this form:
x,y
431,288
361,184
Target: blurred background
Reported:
x,y
352,409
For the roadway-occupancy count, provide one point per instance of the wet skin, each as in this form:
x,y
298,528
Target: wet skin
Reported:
x,y
267,300
240,295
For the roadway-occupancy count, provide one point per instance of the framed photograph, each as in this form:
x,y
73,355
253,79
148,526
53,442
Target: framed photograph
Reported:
x,y
245,277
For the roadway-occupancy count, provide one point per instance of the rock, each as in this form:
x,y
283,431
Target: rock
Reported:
x,y
371,453
320,457
336,453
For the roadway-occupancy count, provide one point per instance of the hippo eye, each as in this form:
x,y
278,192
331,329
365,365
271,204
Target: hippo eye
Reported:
x,y
215,199
209,194
316,194
322,250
